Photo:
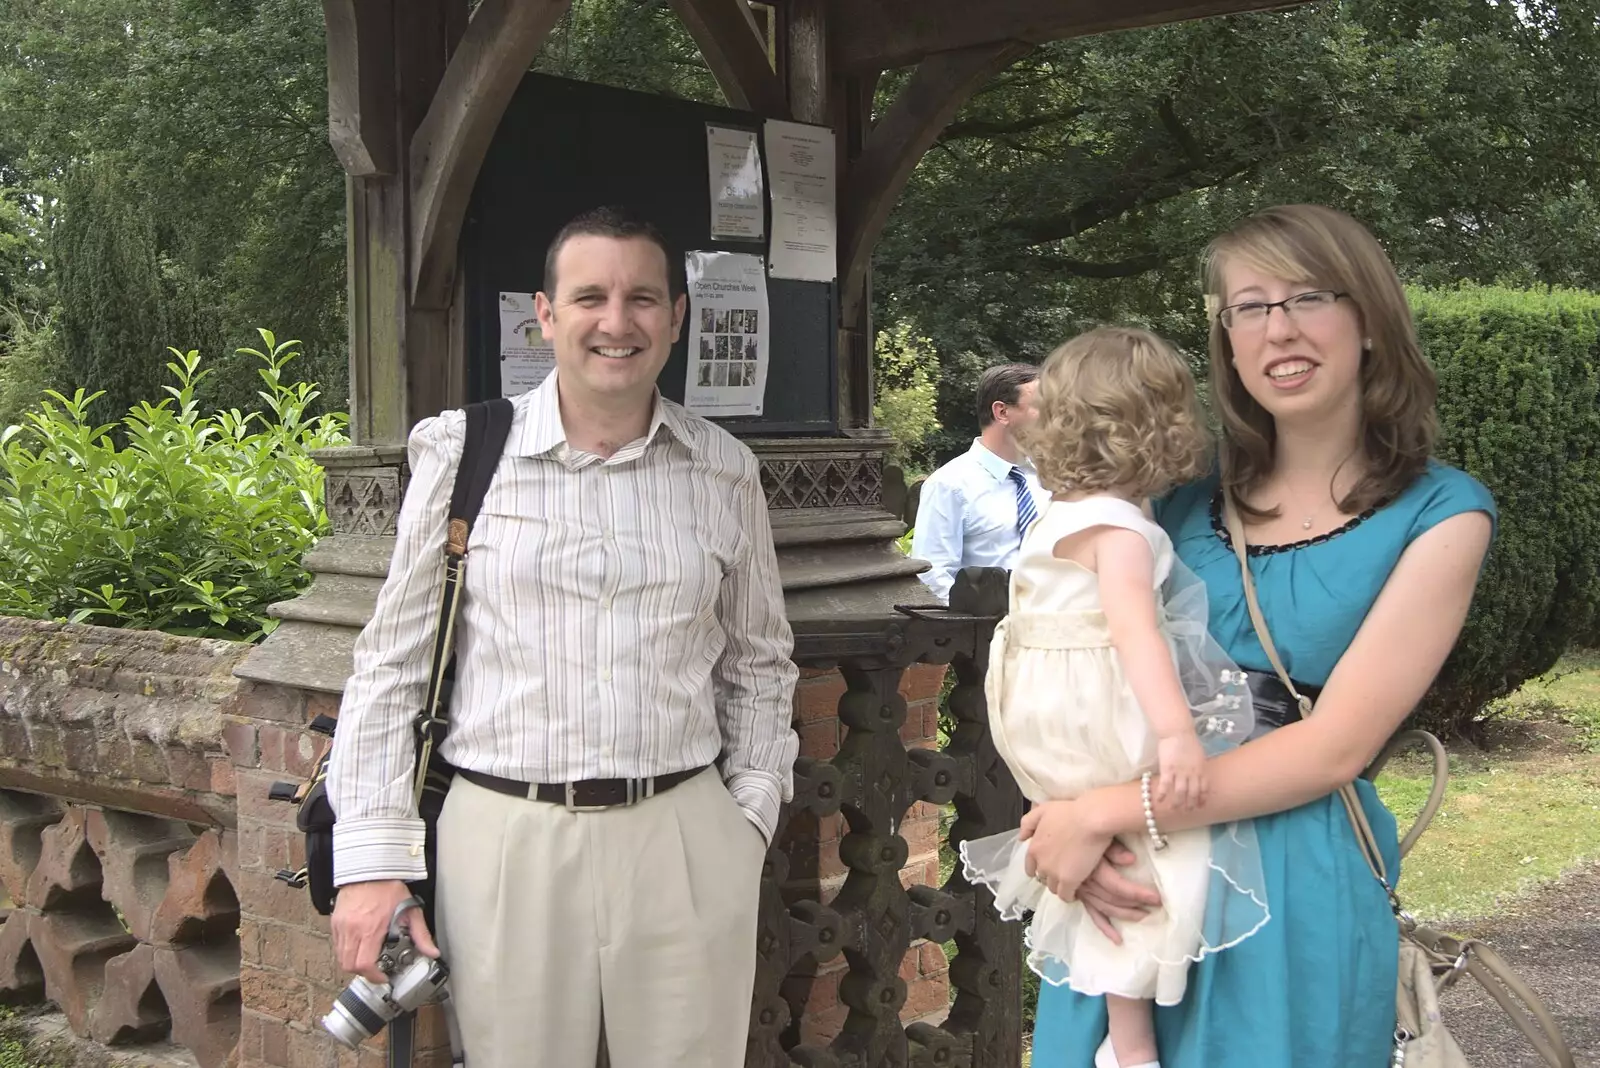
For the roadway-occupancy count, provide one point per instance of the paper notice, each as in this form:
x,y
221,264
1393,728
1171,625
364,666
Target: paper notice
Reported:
x,y
735,163
728,334
525,359
805,232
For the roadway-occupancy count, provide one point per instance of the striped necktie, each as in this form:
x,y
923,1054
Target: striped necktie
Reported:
x,y
1026,512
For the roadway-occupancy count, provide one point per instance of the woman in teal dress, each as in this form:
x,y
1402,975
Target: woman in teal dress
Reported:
x,y
1364,552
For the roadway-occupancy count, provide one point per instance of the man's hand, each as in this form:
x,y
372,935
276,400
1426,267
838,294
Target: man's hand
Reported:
x,y
1108,895
361,915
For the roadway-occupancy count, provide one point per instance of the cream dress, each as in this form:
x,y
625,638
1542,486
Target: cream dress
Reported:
x,y
1065,720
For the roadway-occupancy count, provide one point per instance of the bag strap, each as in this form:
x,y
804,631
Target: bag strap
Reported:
x,y
1449,957
488,427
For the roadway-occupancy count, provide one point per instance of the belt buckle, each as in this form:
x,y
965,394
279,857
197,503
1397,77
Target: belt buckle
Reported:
x,y
573,806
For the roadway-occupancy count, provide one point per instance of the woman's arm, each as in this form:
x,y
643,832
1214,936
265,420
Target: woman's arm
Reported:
x,y
1377,682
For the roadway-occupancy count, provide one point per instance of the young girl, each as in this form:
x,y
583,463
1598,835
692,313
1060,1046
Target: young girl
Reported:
x,y
1103,672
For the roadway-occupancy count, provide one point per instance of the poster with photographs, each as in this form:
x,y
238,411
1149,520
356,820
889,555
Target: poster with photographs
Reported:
x,y
728,334
525,358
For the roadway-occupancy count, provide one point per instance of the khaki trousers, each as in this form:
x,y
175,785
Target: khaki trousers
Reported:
x,y
642,917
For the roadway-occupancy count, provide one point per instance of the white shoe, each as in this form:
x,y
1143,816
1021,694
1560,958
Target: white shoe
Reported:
x,y
1106,1057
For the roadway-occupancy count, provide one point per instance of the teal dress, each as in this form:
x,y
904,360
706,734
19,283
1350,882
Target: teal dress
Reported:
x,y
1315,987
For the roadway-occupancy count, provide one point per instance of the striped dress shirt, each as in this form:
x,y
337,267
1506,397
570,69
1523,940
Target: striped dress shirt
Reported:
x,y
620,618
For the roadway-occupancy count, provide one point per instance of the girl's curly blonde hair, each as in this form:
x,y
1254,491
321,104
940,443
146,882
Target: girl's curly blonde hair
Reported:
x,y
1118,411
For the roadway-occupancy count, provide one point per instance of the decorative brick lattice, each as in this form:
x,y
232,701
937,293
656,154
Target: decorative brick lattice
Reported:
x,y
126,922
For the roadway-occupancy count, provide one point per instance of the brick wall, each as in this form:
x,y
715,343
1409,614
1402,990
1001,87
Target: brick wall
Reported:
x,y
287,972
117,848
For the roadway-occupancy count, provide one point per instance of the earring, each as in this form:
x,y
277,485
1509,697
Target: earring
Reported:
x,y
1367,344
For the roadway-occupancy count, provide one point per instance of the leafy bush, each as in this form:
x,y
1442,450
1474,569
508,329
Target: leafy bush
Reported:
x,y
906,371
194,527
1518,409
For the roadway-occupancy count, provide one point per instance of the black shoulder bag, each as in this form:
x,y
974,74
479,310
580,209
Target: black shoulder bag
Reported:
x,y
488,425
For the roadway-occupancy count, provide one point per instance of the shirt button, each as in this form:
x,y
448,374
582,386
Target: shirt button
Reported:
x,y
605,603
608,535
605,675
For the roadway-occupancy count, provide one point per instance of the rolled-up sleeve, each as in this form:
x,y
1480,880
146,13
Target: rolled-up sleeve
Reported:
x,y
378,834
755,674
938,535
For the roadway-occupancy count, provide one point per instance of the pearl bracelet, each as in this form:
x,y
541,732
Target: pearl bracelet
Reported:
x,y
1158,841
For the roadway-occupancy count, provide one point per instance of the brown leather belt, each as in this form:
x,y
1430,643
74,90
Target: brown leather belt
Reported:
x,y
590,795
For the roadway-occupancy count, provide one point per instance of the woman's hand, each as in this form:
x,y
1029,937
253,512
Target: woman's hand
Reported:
x,y
1063,850
1106,894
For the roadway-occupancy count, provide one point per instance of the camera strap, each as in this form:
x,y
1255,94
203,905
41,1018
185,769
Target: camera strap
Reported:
x,y
488,426
403,1036
402,1040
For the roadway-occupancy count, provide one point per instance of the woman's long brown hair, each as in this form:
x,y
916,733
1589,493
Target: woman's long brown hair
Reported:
x,y
1324,248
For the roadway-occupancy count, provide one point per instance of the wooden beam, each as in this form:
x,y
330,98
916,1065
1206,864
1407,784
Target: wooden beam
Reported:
x,y
499,45
736,52
361,85
941,84
809,71
884,34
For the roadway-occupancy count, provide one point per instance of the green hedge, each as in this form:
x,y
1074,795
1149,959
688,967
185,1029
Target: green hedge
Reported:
x,y
1518,409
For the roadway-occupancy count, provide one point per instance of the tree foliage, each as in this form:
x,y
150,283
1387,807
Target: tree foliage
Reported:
x,y
1079,186
905,370
199,128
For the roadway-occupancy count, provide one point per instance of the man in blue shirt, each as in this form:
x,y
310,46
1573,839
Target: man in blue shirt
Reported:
x,y
974,509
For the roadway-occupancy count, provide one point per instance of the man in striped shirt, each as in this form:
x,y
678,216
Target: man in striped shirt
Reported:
x,y
621,717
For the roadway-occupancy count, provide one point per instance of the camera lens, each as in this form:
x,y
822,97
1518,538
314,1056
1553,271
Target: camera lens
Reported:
x,y
353,1019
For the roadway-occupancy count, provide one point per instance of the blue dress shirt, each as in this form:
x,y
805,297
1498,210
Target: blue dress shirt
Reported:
x,y
967,516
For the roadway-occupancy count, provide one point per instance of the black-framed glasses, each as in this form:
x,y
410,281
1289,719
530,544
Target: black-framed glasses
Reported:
x,y
1253,314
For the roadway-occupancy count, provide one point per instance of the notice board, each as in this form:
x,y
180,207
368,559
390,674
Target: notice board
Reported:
x,y
566,146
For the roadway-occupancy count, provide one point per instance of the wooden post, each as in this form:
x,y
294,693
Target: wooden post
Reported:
x,y
411,117
853,121
385,61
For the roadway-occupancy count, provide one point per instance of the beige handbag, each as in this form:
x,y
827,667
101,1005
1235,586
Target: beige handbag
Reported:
x,y
1430,962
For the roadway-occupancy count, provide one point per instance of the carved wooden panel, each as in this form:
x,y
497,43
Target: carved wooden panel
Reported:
x,y
823,481
873,780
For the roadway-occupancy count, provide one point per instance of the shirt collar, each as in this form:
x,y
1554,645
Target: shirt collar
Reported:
x,y
541,430
996,467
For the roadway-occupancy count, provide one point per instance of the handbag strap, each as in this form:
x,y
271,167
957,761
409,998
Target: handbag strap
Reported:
x,y
488,427
1352,804
1449,957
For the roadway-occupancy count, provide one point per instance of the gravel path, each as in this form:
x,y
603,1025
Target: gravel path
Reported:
x,y
1553,941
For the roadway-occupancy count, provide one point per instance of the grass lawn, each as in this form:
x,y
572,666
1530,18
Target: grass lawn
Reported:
x,y
1517,816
